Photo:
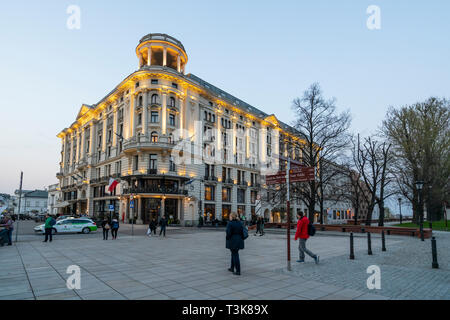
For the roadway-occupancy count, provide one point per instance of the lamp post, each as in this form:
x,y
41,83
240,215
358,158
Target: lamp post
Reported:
x,y
419,186
400,208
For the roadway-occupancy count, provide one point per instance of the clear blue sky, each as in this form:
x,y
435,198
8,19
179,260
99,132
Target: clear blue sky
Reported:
x,y
264,52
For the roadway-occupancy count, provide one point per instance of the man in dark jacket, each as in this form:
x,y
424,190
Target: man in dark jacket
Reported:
x,y
302,234
234,242
163,224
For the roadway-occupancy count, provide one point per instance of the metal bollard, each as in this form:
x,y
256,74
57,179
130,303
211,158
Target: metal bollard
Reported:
x,y
435,264
352,253
383,241
369,244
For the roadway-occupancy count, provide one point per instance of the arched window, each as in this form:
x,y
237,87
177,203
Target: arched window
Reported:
x,y
140,101
154,98
172,102
154,136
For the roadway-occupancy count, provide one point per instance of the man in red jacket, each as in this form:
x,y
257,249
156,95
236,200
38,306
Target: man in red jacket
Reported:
x,y
302,234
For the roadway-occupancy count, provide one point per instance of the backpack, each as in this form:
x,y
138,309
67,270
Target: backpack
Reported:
x,y
311,229
115,225
52,222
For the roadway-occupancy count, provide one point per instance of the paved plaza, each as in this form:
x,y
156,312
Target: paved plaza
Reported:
x,y
191,263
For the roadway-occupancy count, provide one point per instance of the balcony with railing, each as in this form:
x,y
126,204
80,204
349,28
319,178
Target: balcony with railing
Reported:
x,y
210,178
146,142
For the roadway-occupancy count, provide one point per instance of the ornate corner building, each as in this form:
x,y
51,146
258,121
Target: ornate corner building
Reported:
x,y
138,133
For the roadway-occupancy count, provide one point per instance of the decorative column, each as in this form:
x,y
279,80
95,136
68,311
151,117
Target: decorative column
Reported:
x,y
139,218
141,60
182,104
145,113
163,207
149,56
104,133
164,112
115,120
82,151
178,63
247,140
165,56
92,138
132,109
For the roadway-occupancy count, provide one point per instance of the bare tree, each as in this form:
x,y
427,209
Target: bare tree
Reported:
x,y
325,135
371,160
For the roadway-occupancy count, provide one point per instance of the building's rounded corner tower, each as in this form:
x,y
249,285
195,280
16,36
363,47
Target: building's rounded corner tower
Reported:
x,y
159,49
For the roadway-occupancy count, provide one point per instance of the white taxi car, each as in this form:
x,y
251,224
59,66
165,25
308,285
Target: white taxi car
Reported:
x,y
78,225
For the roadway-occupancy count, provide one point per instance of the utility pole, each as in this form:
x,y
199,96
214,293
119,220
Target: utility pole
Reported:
x,y
288,168
20,198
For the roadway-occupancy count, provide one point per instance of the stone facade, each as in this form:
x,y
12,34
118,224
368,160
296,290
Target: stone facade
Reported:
x,y
178,146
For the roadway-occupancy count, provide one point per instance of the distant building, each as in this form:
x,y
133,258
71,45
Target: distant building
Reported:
x,y
54,202
32,201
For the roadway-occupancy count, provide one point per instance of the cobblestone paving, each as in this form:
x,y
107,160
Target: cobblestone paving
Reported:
x,y
192,264
406,271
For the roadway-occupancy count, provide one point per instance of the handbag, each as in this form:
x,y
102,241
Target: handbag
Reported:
x,y
244,232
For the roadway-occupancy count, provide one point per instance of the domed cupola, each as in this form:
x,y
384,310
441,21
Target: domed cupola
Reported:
x,y
159,49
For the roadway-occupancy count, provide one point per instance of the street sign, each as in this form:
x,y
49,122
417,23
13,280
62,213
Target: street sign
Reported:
x,y
278,178
297,174
302,174
111,207
132,204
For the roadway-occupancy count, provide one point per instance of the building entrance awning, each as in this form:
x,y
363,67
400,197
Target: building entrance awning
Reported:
x,y
61,204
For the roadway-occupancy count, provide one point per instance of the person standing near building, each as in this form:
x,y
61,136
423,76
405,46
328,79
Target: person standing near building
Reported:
x,y
163,224
152,226
258,226
9,226
235,242
303,235
49,223
114,228
105,227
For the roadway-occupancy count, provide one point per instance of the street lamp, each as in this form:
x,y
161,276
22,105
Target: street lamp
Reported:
x,y
400,208
419,186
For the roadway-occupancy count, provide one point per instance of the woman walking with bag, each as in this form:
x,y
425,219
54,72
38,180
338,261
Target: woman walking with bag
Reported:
x,y
105,227
235,236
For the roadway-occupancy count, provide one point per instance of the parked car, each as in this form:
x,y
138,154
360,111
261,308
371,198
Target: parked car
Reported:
x,y
65,217
70,225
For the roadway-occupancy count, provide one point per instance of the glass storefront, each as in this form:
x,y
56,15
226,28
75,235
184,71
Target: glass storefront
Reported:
x,y
210,212
226,210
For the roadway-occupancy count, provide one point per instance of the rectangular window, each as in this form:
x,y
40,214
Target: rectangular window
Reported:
x,y
153,162
136,162
154,117
226,210
139,119
209,193
240,195
174,85
226,194
154,81
171,119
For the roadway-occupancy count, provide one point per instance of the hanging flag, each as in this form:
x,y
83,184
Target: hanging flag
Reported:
x,y
112,184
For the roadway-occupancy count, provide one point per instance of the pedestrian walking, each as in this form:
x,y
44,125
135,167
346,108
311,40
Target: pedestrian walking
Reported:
x,y
303,234
258,226
234,242
106,226
48,226
163,224
8,223
114,228
152,227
